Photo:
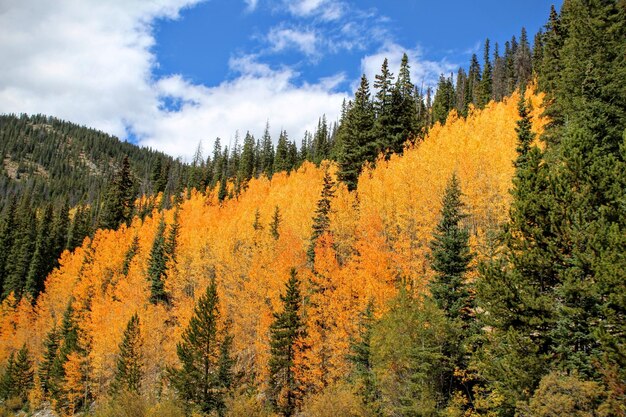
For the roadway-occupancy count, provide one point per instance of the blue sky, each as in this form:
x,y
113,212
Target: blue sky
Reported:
x,y
170,74
201,42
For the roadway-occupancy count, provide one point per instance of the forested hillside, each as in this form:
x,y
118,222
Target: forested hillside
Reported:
x,y
463,257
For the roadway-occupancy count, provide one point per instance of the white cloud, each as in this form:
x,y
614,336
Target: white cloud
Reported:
x,y
91,63
424,73
245,103
251,5
285,38
88,62
325,9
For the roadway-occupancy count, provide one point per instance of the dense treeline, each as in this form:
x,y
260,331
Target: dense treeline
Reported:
x,y
116,318
478,269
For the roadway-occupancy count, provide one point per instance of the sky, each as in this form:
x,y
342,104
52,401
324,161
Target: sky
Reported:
x,y
171,74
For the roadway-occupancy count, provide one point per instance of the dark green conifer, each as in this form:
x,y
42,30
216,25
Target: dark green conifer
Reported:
x,y
43,258
450,257
286,333
486,82
357,137
281,158
275,224
119,200
130,359
444,100
321,220
51,351
20,255
157,266
8,229
130,254
203,354
361,356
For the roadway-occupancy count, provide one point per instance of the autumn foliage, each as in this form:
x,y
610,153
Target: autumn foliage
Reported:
x,y
378,241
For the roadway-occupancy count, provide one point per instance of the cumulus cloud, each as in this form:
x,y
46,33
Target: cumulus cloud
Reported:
x,y
324,9
424,73
91,63
246,102
281,39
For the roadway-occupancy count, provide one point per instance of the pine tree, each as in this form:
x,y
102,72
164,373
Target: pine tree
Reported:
x,y
361,356
130,254
473,84
51,351
203,353
43,257
450,255
357,137
486,82
18,378
275,224
7,385
267,152
403,109
516,291
130,360
80,227
444,100
281,158
157,266
321,220
286,334
246,166
523,60
20,255
383,107
171,241
118,205
8,228
551,57
60,230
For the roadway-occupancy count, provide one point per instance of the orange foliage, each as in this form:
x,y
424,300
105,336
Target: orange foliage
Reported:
x,y
377,241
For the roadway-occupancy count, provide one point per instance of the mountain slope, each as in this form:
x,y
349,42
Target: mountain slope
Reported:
x,y
52,159
375,242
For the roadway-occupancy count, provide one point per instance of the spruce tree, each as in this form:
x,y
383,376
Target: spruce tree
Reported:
x,y
383,107
157,266
286,334
130,254
18,378
444,100
51,350
60,230
486,82
357,136
321,220
203,354
473,84
20,255
43,257
281,158
118,204
516,290
130,359
403,109
450,256
361,356
275,224
8,229
246,166
267,152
